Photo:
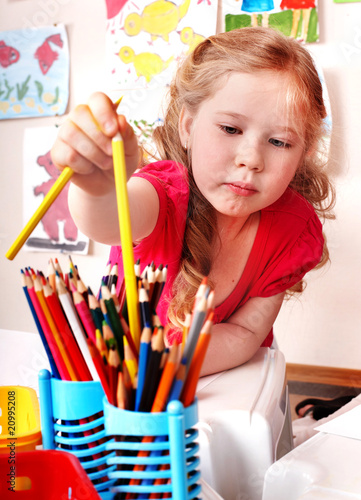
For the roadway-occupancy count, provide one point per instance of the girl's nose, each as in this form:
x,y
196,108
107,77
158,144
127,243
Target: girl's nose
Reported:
x,y
249,155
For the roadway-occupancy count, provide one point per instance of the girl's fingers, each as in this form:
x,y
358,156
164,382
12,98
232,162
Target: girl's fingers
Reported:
x,y
104,113
74,148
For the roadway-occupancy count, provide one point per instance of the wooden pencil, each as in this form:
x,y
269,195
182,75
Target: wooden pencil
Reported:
x,y
69,374
114,366
153,371
95,309
80,367
100,367
51,274
190,385
144,353
84,314
75,324
114,319
131,361
49,355
48,199
198,319
166,380
145,318
120,176
62,370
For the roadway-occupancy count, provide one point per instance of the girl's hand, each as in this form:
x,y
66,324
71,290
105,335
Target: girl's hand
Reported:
x,y
84,144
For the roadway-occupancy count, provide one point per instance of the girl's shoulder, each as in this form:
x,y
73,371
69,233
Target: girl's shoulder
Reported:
x,y
293,205
165,171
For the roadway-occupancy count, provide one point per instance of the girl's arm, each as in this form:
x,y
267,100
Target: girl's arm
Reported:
x,y
235,342
84,143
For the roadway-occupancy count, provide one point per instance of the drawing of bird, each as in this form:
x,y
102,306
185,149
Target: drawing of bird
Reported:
x,y
159,19
145,64
188,37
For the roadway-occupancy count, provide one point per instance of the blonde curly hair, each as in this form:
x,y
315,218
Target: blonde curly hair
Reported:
x,y
200,75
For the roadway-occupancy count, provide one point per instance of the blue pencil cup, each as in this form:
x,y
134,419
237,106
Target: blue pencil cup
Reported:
x,y
72,420
155,453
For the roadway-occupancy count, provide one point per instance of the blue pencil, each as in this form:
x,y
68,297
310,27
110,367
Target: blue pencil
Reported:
x,y
38,326
144,352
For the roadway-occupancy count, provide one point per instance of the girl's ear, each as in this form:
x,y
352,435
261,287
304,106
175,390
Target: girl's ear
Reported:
x,y
185,125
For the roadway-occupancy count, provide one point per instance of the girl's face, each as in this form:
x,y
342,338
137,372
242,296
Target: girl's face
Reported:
x,y
244,148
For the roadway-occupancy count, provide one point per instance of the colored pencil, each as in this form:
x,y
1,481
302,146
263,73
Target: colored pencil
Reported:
x,y
130,360
51,274
75,324
144,353
144,307
48,200
63,372
49,355
84,314
165,383
198,318
120,176
153,371
114,366
80,367
190,385
100,367
95,309
114,319
70,373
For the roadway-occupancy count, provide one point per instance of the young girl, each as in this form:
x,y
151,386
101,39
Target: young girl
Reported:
x,y
236,194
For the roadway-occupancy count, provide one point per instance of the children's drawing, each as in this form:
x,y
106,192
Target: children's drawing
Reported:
x,y
158,18
56,231
145,41
258,7
8,55
295,18
145,64
34,72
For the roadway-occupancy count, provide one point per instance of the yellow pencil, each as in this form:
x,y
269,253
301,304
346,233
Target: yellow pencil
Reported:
x,y
120,176
53,193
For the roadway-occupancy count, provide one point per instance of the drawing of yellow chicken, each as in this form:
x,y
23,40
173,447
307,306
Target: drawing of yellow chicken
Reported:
x,y
159,19
145,64
188,37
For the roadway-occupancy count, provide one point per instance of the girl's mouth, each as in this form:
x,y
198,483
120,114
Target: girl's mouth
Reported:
x,y
242,189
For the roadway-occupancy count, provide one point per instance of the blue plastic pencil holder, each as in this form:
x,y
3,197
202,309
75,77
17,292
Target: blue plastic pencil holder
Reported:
x,y
162,445
72,420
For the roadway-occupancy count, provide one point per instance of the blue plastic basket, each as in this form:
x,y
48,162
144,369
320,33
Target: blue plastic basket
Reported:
x,y
171,452
72,420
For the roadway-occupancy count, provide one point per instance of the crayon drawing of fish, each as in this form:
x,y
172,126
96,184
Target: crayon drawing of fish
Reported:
x,y
46,55
8,55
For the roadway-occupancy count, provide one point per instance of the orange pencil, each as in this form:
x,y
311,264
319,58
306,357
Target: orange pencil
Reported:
x,y
76,356
54,348
190,385
114,367
70,373
166,380
51,274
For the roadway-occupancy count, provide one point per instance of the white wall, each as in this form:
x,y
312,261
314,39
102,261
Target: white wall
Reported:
x,y
322,327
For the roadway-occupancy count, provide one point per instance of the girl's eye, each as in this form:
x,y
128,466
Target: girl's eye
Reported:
x,y
279,144
230,130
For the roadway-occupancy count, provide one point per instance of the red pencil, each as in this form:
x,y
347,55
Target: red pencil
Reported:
x,y
84,314
55,351
76,356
